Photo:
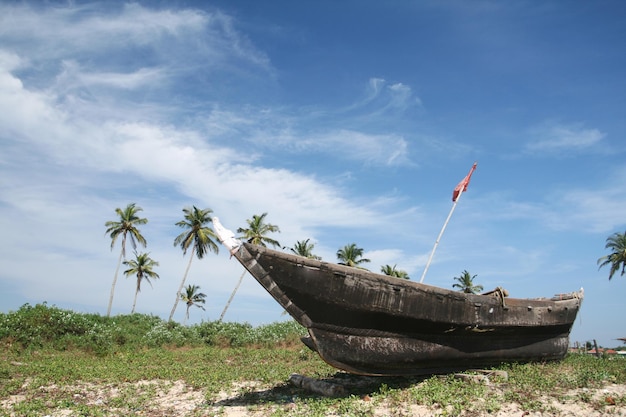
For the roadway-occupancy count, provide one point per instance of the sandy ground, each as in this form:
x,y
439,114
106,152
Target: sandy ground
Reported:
x,y
176,399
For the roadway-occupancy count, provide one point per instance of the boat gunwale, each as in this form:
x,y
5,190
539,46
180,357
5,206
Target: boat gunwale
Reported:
x,y
574,297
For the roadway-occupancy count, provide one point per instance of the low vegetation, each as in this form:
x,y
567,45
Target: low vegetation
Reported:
x,y
57,362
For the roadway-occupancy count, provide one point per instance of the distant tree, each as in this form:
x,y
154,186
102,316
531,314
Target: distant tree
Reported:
x,y
255,233
192,297
141,266
393,272
304,248
351,255
465,283
617,258
198,236
125,226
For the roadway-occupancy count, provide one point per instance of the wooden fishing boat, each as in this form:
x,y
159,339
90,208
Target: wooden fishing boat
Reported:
x,y
372,324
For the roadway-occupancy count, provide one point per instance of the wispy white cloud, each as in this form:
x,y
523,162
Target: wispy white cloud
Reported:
x,y
64,30
343,144
72,77
593,210
551,138
579,208
9,61
270,129
92,35
383,98
401,97
352,145
23,112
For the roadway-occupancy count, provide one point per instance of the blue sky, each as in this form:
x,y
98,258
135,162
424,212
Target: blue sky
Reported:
x,y
345,121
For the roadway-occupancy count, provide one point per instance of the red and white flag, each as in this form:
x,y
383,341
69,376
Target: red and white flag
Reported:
x,y
462,186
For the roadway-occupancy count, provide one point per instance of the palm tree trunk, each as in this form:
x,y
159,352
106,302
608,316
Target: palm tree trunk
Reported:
x,y
117,269
182,283
232,295
186,315
136,292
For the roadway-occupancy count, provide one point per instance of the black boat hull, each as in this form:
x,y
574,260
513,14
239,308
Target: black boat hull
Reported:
x,y
372,324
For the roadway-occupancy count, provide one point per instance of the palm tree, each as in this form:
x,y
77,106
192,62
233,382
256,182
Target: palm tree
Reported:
x,y
141,266
617,258
255,234
351,255
304,248
192,297
466,283
393,272
257,231
125,226
198,236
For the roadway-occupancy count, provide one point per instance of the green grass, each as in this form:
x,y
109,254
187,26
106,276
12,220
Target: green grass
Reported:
x,y
53,359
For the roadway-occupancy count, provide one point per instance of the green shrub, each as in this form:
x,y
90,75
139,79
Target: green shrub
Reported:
x,y
228,334
43,326
171,334
288,332
39,325
218,333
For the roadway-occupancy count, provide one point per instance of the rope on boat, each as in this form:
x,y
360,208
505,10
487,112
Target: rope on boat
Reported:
x,y
502,293
578,295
